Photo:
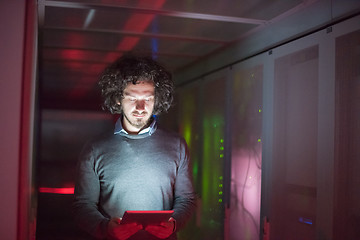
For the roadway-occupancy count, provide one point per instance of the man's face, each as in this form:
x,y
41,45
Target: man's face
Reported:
x,y
137,105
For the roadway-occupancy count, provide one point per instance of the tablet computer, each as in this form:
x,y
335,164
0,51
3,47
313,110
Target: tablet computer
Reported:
x,y
146,217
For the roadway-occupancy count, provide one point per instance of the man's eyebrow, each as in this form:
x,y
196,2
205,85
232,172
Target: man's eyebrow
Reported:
x,y
134,94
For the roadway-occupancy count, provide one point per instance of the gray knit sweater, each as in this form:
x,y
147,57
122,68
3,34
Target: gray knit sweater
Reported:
x,y
133,172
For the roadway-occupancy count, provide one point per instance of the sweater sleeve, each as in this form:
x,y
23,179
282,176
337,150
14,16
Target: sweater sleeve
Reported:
x,y
86,197
184,201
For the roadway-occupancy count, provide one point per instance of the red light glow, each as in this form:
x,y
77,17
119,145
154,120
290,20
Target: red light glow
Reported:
x,y
138,22
68,190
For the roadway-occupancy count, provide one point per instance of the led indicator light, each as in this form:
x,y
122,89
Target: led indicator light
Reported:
x,y
305,220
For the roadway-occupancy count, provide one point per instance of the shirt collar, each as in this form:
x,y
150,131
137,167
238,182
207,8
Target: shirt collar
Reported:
x,y
149,130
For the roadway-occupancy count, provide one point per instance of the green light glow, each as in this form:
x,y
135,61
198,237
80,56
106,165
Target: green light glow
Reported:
x,y
195,169
204,133
206,168
187,133
211,166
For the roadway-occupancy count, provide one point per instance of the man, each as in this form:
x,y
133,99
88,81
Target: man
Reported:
x,y
139,167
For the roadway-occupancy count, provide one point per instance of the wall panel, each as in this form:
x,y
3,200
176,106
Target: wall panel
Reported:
x,y
347,151
293,204
246,151
202,112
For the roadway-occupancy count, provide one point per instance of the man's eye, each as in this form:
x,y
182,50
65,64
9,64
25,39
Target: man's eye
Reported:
x,y
132,99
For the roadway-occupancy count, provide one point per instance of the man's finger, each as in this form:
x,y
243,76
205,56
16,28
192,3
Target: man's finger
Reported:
x,y
135,229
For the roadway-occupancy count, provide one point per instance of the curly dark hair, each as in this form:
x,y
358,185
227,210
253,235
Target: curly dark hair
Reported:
x,y
131,69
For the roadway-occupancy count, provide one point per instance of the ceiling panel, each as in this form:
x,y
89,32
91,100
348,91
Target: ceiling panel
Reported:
x,y
261,9
204,29
79,38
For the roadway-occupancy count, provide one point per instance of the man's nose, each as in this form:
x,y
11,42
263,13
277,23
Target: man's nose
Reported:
x,y
140,105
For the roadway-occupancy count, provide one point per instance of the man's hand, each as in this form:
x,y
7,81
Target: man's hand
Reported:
x,y
163,230
122,231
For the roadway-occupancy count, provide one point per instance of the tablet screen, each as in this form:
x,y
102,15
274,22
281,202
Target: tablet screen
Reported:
x,y
146,217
